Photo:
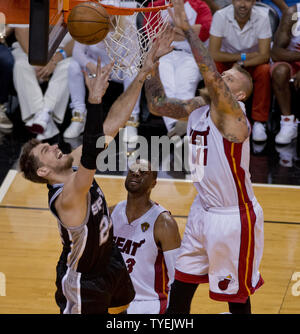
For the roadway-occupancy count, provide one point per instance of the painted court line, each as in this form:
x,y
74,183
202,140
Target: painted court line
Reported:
x,y
7,183
12,173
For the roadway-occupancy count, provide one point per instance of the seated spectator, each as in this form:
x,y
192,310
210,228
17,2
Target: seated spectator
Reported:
x,y
39,110
6,70
241,33
286,56
179,72
278,5
85,58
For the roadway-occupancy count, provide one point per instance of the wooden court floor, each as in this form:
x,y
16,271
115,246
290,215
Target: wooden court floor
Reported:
x,y
30,245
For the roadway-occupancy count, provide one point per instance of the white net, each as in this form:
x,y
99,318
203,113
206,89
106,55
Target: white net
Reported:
x,y
133,35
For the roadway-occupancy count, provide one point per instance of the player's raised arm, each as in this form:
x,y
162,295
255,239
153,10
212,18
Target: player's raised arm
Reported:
x,y
225,109
158,102
80,184
121,109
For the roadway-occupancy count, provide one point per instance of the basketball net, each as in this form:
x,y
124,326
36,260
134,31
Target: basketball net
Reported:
x,y
136,26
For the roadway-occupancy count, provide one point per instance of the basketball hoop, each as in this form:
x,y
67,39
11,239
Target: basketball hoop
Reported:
x,y
122,7
136,26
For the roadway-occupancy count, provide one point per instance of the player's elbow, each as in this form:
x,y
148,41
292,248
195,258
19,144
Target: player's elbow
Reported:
x,y
155,110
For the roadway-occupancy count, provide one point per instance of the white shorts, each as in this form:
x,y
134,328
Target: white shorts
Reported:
x,y
144,307
223,247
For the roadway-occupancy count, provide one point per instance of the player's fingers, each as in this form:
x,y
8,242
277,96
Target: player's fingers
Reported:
x,y
154,48
107,68
98,70
171,14
170,29
86,77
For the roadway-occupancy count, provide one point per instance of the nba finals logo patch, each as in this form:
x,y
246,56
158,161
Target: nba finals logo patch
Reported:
x,y
225,281
144,227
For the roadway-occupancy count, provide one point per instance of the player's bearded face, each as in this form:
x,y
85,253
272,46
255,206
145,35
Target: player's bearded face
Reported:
x,y
64,164
52,157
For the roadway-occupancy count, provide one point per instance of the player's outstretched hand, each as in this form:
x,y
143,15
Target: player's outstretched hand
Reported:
x,y
97,85
164,41
159,48
179,17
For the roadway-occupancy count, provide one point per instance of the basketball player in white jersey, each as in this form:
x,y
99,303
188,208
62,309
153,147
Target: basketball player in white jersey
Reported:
x,y
223,239
286,56
148,238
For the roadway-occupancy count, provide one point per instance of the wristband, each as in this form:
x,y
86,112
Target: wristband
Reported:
x,y
63,52
243,56
93,130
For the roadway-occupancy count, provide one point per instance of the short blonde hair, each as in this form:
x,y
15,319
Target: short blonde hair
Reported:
x,y
248,89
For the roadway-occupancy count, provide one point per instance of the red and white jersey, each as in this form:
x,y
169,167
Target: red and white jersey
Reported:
x,y
219,168
145,262
295,36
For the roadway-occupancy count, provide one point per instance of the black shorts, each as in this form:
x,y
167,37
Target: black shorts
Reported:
x,y
93,294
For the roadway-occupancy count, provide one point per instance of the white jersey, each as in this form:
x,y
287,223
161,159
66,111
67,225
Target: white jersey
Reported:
x,y
219,168
145,262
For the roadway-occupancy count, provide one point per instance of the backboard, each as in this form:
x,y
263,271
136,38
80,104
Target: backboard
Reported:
x,y
47,20
47,24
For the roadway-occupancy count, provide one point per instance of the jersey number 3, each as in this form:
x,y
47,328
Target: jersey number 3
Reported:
x,y
130,263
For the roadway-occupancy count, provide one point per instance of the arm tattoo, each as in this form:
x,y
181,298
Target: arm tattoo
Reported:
x,y
159,104
219,92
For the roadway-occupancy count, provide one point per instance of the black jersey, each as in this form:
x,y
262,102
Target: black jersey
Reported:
x,y
86,248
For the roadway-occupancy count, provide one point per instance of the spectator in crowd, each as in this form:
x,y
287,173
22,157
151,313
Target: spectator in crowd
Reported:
x,y
85,58
278,5
178,70
286,67
6,70
148,238
39,110
241,33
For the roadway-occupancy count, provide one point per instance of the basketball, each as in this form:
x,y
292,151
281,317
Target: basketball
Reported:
x,y
88,23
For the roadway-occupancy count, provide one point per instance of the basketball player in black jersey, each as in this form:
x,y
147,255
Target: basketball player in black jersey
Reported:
x,y
91,274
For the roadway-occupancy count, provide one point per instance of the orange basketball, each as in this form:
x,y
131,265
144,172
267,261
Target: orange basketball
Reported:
x,y
88,23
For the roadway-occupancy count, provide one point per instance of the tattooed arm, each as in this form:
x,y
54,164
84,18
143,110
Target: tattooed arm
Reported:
x,y
160,105
226,112
158,102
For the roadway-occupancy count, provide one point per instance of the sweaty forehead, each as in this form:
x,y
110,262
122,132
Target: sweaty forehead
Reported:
x,y
37,150
142,165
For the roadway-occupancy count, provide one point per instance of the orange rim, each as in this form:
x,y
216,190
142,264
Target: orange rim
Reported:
x,y
113,10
